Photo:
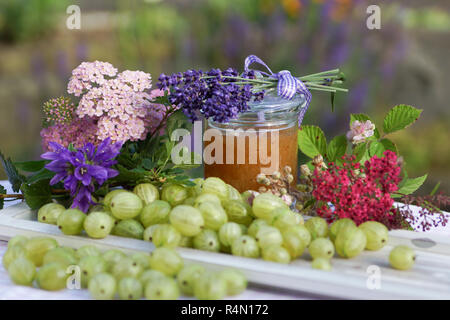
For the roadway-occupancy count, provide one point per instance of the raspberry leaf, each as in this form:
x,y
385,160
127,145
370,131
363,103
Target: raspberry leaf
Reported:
x,y
312,141
400,117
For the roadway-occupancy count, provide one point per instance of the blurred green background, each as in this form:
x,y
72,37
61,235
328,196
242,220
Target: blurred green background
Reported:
x,y
406,61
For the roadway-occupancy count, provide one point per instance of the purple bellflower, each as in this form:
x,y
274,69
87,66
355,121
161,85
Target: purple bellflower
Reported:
x,y
82,170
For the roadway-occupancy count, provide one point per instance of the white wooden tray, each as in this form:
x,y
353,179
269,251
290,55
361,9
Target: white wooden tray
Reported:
x,y
349,279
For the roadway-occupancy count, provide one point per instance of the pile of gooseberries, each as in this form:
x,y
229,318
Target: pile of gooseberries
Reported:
x,y
213,216
160,275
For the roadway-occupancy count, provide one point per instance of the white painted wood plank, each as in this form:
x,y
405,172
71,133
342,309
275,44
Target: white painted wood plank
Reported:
x,y
429,279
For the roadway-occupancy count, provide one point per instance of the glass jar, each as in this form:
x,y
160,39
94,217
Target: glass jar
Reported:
x,y
261,140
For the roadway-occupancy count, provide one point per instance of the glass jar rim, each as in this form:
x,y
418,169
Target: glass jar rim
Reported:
x,y
274,103
272,111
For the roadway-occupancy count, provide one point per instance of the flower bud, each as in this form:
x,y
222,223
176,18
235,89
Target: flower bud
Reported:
x,y
287,170
299,206
290,178
304,170
318,161
276,175
260,178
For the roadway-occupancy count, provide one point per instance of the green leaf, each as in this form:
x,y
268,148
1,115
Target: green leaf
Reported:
x,y
410,185
312,141
178,120
389,145
127,176
336,148
37,194
376,149
42,174
14,177
364,117
400,117
359,151
71,147
31,166
148,164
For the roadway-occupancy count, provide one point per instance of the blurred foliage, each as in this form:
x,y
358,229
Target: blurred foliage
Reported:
x,y
22,20
302,36
429,19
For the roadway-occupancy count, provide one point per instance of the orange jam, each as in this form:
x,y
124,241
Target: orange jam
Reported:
x,y
262,140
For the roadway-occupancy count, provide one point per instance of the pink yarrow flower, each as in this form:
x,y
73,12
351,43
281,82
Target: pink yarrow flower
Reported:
x,y
360,131
120,103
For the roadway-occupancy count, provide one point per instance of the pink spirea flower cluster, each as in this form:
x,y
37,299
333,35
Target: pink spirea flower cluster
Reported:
x,y
77,132
119,103
361,193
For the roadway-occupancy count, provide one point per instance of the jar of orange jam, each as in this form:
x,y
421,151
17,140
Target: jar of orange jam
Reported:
x,y
261,140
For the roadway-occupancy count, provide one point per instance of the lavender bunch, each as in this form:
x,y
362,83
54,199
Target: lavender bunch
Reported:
x,y
222,95
216,94
82,170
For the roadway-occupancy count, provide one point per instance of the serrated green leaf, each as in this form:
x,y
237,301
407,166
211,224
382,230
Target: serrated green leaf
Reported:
x,y
400,117
37,194
376,149
410,185
14,177
389,145
336,148
312,141
359,150
30,166
364,117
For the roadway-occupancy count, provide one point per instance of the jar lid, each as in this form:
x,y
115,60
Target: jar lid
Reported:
x,y
273,110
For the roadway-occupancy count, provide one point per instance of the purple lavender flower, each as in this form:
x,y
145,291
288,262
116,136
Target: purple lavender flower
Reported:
x,y
82,170
214,94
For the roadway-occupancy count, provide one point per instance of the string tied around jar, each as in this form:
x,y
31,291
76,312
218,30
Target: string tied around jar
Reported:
x,y
287,85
